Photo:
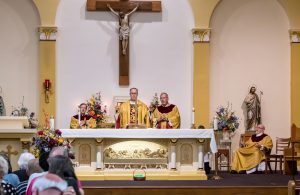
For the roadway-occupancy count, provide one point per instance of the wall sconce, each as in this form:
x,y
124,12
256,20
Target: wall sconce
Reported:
x,y
47,86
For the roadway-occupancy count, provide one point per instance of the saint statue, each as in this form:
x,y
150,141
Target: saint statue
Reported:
x,y
133,113
252,102
166,116
124,26
82,120
2,107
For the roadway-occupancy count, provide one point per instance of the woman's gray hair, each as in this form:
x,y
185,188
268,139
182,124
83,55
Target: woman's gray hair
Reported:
x,y
3,166
24,159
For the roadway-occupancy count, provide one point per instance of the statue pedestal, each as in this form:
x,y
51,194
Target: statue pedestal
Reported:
x,y
14,139
13,122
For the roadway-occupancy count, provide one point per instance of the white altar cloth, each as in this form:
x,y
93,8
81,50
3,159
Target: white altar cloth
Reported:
x,y
143,133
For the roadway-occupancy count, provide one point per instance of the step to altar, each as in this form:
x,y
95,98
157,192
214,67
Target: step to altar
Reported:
x,y
150,175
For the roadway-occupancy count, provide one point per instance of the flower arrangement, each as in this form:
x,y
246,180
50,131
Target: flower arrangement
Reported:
x,y
226,119
155,101
96,108
20,111
46,139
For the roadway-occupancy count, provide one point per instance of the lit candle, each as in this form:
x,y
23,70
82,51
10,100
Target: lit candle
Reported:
x,y
52,123
47,83
215,123
193,116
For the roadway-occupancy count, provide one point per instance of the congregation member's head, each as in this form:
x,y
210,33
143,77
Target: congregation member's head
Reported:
x,y
164,99
133,92
259,129
83,108
5,185
62,166
58,151
7,160
24,158
49,184
3,167
43,160
33,167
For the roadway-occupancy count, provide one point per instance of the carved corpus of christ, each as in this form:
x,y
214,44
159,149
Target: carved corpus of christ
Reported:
x,y
124,27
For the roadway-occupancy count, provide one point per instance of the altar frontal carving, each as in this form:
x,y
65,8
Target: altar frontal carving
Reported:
x,y
141,154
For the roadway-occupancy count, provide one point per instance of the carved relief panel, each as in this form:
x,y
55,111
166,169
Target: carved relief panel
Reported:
x,y
85,154
186,154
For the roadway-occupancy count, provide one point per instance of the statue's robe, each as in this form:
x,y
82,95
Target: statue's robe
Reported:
x,y
250,156
91,122
172,117
133,114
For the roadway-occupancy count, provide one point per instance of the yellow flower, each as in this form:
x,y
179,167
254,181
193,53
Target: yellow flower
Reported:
x,y
92,100
60,140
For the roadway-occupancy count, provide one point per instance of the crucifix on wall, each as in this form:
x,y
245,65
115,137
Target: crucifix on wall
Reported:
x,y
123,9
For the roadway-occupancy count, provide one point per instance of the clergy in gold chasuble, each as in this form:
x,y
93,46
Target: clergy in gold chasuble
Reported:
x,y
86,122
250,156
166,117
134,112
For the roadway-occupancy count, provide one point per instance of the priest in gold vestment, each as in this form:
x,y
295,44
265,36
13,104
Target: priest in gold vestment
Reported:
x,y
166,116
251,158
133,112
82,120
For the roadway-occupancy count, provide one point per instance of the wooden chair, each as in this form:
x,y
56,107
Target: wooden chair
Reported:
x,y
218,159
290,155
278,157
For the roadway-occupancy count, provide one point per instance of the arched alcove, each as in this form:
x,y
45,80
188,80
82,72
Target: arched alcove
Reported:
x,y
250,45
161,55
19,54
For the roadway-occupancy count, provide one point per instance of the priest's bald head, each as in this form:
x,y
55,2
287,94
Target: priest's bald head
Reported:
x,y
260,129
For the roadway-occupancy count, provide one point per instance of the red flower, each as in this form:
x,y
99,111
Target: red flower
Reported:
x,y
40,133
51,142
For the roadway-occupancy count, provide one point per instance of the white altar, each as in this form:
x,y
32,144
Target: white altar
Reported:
x,y
100,151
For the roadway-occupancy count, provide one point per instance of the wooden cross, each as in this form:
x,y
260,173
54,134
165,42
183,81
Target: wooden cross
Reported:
x,y
124,6
9,151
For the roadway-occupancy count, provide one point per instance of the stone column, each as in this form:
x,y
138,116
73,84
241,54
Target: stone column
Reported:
x,y
295,76
99,154
201,39
200,153
173,154
47,62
